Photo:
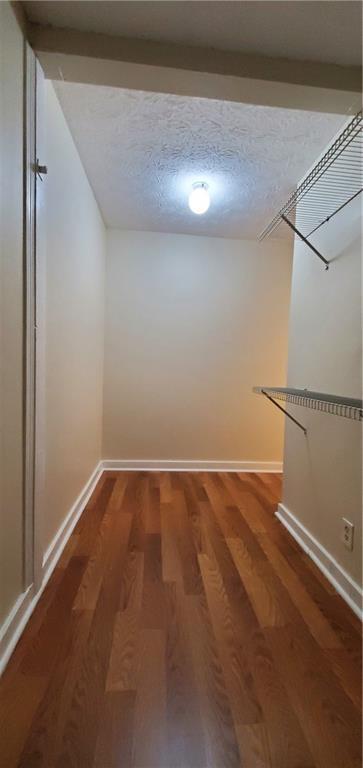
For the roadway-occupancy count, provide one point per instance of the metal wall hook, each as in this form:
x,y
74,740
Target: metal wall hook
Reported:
x,y
40,170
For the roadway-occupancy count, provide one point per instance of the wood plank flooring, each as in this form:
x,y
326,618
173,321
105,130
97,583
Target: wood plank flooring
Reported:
x,y
184,628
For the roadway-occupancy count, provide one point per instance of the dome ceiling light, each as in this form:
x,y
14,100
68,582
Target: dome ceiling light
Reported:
x,y
199,198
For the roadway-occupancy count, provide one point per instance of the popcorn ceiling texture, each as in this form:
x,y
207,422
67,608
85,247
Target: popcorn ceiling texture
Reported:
x,y
142,151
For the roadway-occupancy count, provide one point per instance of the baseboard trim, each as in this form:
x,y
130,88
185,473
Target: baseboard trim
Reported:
x,y
349,590
183,465
14,624
21,612
59,541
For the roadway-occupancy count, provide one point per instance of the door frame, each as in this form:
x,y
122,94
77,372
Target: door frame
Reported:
x,y
39,211
34,325
29,314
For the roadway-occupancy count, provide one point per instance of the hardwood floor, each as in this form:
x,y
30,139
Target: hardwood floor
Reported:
x,y
184,628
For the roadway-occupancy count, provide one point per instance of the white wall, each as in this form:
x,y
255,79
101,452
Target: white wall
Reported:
x,y
192,324
75,245
322,471
11,309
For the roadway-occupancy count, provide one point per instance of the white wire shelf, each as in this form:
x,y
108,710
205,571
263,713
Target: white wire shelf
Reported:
x,y
336,405
334,181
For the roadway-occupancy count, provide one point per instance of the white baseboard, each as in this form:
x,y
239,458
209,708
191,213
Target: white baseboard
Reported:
x,y
59,541
19,615
191,465
14,625
349,590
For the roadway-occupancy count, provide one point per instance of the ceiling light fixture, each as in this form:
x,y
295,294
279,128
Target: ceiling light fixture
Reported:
x,y
199,198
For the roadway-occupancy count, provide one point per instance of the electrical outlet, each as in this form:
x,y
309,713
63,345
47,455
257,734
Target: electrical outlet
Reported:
x,y
347,533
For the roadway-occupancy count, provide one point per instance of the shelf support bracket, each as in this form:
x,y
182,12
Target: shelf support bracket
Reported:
x,y
305,240
284,411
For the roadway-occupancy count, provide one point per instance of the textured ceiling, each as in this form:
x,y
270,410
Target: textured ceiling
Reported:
x,y
320,30
142,152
